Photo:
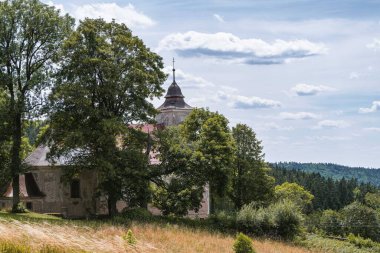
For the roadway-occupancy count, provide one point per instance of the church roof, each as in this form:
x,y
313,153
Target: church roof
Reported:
x,y
39,158
174,97
174,91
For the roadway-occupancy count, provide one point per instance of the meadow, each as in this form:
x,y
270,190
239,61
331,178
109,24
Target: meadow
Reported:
x,y
40,233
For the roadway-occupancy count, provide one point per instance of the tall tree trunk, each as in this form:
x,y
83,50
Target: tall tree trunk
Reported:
x,y
16,159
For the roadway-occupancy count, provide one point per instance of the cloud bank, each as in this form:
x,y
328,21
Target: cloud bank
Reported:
x,y
228,47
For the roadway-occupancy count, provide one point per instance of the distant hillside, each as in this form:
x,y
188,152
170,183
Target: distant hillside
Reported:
x,y
334,171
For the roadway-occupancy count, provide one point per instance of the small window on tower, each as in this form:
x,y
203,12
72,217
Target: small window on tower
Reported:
x,y
75,188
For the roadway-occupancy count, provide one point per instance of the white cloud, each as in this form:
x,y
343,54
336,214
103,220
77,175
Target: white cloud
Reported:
x,y
243,102
186,80
125,14
228,47
374,45
333,124
219,18
298,116
374,108
303,89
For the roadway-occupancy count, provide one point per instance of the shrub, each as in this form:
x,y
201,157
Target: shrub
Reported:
x,y
20,208
361,220
287,219
283,219
130,238
223,221
331,222
140,214
252,219
360,241
243,244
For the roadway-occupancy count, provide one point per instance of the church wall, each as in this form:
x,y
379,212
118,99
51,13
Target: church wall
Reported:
x,y
58,196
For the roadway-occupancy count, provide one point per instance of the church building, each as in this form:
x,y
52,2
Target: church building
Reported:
x,y
42,189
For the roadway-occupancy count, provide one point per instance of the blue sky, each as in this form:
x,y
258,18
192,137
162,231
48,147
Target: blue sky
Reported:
x,y
305,75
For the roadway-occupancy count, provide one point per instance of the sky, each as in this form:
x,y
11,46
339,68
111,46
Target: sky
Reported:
x,y
305,75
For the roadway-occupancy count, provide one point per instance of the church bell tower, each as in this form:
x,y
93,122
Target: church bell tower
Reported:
x,y
174,110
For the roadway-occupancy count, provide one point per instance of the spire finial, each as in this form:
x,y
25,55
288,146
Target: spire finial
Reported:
x,y
173,71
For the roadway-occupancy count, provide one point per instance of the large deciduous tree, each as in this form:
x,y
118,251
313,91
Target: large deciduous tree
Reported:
x,y
250,180
105,83
30,36
199,153
180,185
295,193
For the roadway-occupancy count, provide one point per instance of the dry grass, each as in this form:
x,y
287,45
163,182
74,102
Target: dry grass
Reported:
x,y
150,238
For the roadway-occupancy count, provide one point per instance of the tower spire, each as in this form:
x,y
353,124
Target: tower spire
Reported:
x,y
173,71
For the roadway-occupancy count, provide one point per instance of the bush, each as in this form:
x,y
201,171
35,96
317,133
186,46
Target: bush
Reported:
x,y
283,219
223,221
361,220
255,220
331,222
243,244
20,208
287,219
360,241
140,214
130,238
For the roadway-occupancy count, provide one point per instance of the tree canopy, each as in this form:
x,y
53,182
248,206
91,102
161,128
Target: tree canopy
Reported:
x,y
198,154
104,84
31,34
250,180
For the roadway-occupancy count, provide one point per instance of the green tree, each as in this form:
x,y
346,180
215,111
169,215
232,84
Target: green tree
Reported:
x,y
250,180
331,222
361,220
213,150
104,84
179,186
30,35
295,193
372,200
198,153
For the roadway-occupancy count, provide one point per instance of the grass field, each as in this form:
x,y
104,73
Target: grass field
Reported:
x,y
36,232
31,232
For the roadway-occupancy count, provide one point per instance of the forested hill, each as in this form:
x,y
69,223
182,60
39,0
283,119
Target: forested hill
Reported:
x,y
334,171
